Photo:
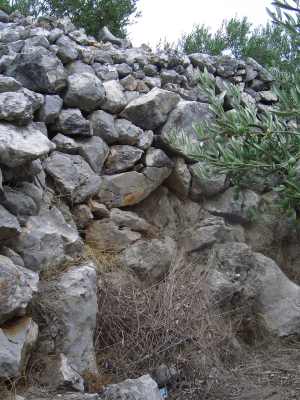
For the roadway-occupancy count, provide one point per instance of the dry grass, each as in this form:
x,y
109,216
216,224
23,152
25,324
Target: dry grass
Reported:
x,y
105,261
168,323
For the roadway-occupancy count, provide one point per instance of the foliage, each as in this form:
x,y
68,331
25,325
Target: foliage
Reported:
x,y
270,45
252,147
89,14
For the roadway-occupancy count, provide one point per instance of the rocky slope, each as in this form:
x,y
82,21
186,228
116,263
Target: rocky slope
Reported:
x,y
89,172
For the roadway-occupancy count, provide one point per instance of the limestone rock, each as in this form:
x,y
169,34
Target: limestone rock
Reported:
x,y
127,132
71,122
17,288
130,220
151,110
144,388
150,259
82,215
241,276
106,235
103,125
122,158
180,179
16,342
183,120
157,158
50,109
206,182
73,327
9,225
115,99
208,232
19,145
47,241
85,91
38,70
8,84
94,150
129,188
16,107
236,207
72,176
67,50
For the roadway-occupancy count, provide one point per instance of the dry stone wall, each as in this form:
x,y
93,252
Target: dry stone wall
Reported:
x,y
86,158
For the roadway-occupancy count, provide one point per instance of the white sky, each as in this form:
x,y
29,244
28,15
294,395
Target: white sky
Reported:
x,y
169,19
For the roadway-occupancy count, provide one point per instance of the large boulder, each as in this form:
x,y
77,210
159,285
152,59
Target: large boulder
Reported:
x,y
72,176
47,241
85,91
19,145
17,288
17,340
38,70
183,120
151,110
143,388
129,188
237,206
239,277
149,259
17,107
71,321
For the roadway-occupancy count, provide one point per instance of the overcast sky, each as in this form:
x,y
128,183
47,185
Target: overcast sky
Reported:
x,y
169,19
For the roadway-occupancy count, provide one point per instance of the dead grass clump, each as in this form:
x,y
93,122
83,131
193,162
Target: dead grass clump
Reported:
x,y
169,323
104,260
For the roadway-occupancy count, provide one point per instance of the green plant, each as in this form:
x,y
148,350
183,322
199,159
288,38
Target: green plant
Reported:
x,y
252,147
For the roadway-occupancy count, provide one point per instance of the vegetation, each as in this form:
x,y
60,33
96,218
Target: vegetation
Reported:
x,y
89,14
252,148
271,45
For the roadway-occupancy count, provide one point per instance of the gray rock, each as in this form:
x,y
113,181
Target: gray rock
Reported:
x,y
129,83
206,182
130,220
72,176
51,108
82,215
94,150
268,97
149,259
129,188
153,82
55,34
16,107
8,84
63,396
182,120
67,50
27,171
103,125
144,388
9,225
150,70
19,145
145,140
122,158
234,206
207,233
17,339
115,100
151,110
127,132
203,61
72,317
79,67
47,241
106,72
239,276
71,122
103,57
12,255
157,158
38,70
180,179
85,91
106,235
65,144
99,210
123,70
18,285
21,204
